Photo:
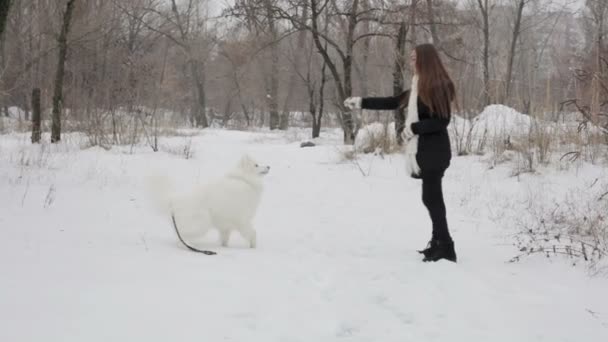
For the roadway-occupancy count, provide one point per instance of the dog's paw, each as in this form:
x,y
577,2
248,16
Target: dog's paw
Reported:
x,y
253,242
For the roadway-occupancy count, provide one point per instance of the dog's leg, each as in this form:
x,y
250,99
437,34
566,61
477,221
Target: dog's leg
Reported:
x,y
253,239
224,237
249,234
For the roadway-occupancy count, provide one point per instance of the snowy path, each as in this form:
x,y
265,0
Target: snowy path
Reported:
x,y
83,258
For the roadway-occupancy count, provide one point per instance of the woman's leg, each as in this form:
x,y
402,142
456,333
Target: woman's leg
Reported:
x,y
442,246
432,197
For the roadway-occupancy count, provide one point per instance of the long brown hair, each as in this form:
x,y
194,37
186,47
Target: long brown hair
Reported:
x,y
435,87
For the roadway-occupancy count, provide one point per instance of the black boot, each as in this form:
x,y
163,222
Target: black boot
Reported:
x,y
429,248
442,250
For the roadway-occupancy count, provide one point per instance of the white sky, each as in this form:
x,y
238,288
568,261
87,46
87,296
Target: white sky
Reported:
x,y
572,4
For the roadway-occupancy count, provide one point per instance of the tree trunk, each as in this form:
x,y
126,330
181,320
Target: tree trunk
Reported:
x,y
343,89
26,108
362,70
36,116
227,115
316,126
284,122
400,61
272,89
317,120
5,6
199,117
346,116
483,7
273,94
595,84
432,24
350,131
514,38
240,95
312,106
413,8
58,91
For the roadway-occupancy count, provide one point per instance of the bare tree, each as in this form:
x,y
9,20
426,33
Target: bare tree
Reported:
x,y
412,22
315,85
59,75
398,75
287,56
350,16
519,12
36,116
432,23
236,62
484,9
262,21
184,28
272,85
315,89
5,6
599,11
291,86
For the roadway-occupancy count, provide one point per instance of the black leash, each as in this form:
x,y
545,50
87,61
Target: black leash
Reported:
x,y
184,242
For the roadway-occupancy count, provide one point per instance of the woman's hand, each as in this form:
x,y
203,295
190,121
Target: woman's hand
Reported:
x,y
407,133
352,103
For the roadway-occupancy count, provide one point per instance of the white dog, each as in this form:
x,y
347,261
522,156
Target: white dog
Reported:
x,y
227,204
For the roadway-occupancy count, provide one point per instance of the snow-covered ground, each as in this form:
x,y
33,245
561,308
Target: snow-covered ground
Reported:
x,y
83,257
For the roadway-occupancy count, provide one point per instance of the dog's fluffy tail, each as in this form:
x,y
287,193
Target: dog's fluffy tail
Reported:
x,y
158,188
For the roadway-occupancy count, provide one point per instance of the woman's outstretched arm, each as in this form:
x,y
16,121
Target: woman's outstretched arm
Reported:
x,y
385,103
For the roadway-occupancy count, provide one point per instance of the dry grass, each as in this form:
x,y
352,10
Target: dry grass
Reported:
x,y
350,156
547,143
377,139
575,227
184,150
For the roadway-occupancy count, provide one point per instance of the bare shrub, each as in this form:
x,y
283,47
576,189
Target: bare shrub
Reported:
x,y
575,227
534,148
463,139
547,142
581,143
377,138
541,138
295,135
350,156
130,128
347,155
184,150
50,196
37,156
8,125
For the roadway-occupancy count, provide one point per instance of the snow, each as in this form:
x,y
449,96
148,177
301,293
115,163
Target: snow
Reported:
x,y
83,257
16,113
500,118
495,122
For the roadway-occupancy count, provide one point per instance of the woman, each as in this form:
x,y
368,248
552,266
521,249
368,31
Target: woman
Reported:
x,y
426,139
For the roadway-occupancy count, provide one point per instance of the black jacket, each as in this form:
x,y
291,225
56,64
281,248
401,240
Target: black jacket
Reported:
x,y
434,150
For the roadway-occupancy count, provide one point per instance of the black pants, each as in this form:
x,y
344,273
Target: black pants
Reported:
x,y
432,197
